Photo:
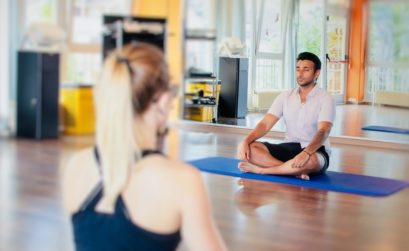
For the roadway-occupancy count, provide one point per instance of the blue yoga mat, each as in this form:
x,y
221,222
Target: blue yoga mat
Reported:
x,y
386,129
334,181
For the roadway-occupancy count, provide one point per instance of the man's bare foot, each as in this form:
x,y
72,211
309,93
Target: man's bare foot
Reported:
x,y
303,176
247,167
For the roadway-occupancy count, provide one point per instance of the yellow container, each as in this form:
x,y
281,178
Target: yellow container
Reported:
x,y
78,109
201,113
206,87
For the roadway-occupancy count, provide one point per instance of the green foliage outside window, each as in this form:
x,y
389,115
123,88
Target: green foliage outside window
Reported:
x,y
388,50
309,27
47,10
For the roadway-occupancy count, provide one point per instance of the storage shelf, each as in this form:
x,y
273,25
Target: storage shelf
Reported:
x,y
201,79
197,81
198,105
198,37
200,34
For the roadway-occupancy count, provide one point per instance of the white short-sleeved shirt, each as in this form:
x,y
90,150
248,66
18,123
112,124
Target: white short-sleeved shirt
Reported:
x,y
301,119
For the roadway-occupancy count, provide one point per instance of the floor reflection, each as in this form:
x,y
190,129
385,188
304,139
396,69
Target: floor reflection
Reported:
x,y
255,196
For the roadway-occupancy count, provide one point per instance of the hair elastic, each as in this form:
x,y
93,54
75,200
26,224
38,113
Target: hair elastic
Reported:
x,y
125,60
121,59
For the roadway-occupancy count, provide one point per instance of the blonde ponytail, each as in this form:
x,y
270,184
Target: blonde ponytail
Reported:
x,y
131,79
114,131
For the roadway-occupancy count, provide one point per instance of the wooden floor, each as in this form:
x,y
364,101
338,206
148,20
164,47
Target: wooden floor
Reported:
x,y
252,215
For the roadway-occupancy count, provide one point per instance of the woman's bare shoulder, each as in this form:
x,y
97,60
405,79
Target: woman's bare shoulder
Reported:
x,y
173,173
175,166
78,162
81,155
79,177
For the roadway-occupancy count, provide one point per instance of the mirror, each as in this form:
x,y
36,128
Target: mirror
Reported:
x,y
264,27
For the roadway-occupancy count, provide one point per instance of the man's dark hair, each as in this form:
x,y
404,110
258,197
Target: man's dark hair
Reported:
x,y
310,56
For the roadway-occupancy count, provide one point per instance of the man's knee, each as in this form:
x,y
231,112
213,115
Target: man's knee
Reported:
x,y
258,146
313,165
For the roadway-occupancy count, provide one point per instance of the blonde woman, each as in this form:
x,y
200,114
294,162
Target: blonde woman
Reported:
x,y
124,194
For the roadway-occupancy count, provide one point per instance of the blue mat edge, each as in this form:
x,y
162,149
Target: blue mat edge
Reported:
x,y
385,129
289,180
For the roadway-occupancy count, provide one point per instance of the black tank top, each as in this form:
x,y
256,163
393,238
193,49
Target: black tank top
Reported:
x,y
99,231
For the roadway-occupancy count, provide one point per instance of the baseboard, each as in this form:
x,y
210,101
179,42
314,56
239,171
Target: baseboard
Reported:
x,y
398,99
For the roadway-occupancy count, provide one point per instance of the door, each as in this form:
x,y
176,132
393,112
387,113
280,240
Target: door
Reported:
x,y
336,37
323,30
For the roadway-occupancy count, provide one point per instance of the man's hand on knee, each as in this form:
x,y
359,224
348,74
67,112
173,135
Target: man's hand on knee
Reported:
x,y
243,151
301,160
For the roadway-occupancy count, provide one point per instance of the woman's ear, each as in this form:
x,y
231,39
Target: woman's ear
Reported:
x,y
163,103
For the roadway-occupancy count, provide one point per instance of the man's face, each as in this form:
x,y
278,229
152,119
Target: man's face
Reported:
x,y
306,73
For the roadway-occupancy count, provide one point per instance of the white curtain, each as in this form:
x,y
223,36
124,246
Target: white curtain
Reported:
x,y
289,43
4,64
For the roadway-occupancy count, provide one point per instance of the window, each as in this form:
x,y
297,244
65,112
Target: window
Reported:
x,y
310,28
309,33
388,51
336,51
200,15
323,30
269,51
269,47
44,11
82,67
84,57
87,15
268,75
270,40
270,34
200,35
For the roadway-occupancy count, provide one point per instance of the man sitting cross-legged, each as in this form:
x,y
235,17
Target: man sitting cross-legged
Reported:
x,y
308,112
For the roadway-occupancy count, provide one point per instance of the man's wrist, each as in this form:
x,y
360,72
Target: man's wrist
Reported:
x,y
308,153
248,142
